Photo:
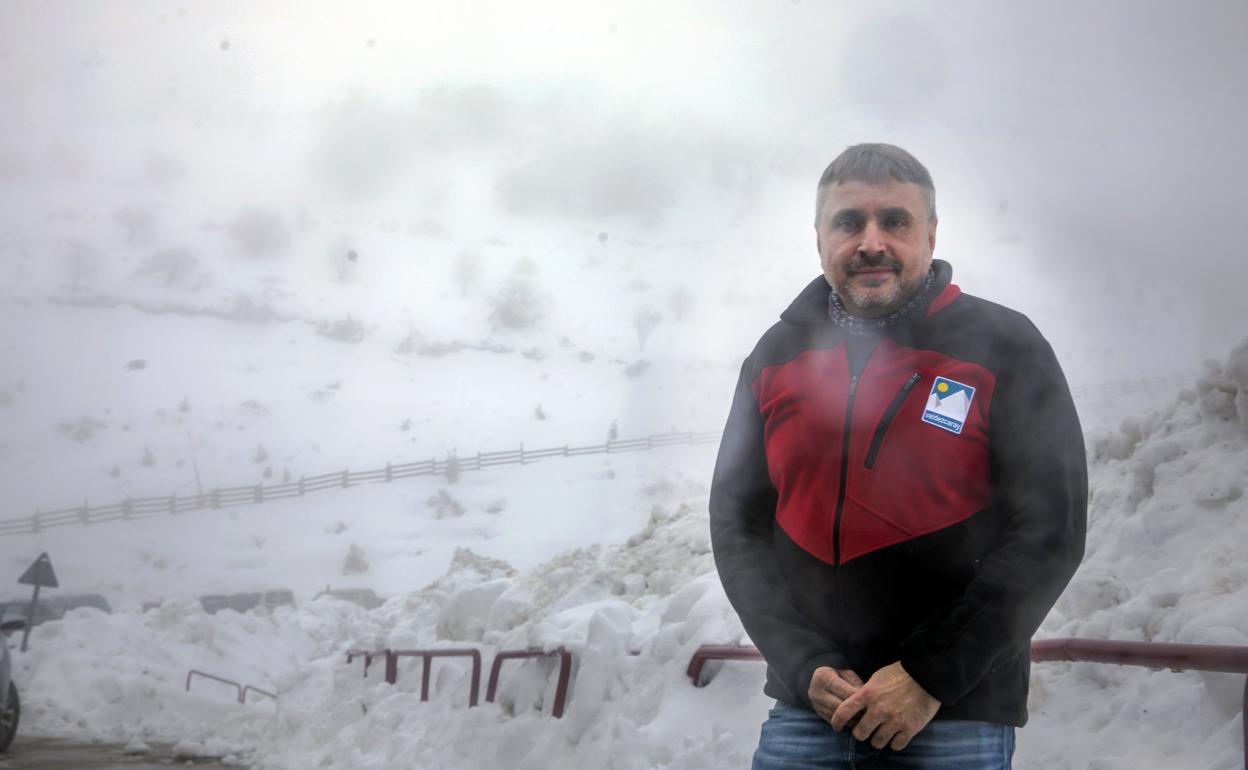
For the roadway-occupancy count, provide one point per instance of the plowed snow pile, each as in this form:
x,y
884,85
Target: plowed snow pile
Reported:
x,y
1165,563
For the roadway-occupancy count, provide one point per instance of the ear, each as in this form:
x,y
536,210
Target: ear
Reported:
x,y
931,236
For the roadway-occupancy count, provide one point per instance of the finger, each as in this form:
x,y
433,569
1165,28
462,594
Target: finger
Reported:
x,y
849,675
824,713
900,740
832,682
867,725
847,711
883,735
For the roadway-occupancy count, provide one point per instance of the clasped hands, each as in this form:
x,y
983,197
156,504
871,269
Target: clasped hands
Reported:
x,y
890,708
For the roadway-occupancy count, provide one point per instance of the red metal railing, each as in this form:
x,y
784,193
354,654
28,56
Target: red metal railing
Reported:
x,y
242,690
717,652
561,688
427,656
1176,657
368,656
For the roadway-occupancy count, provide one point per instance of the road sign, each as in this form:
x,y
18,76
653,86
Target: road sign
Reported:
x,y
40,573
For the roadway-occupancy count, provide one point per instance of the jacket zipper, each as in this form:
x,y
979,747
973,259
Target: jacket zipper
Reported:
x,y
887,419
840,493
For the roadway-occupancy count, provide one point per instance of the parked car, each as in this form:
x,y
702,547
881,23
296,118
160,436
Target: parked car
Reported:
x,y
10,704
243,602
52,607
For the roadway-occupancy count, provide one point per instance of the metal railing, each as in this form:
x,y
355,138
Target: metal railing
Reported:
x,y
427,656
1176,657
242,690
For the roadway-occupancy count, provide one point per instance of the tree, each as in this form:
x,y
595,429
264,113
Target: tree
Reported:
x,y
644,322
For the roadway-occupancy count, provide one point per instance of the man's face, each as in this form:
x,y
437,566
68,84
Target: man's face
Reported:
x,y
875,243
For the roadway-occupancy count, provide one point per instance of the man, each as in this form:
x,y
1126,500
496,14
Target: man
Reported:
x,y
900,495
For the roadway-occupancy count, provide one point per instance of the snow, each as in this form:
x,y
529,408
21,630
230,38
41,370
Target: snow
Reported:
x,y
1163,564
163,336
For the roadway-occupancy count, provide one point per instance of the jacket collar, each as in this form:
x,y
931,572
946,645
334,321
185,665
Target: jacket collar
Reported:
x,y
811,306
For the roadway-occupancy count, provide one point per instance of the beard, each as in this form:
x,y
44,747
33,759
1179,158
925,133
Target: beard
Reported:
x,y
890,291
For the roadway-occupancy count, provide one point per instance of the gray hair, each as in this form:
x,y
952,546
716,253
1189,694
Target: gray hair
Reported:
x,y
876,164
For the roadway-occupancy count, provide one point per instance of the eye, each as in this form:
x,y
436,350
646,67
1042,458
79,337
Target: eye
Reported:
x,y
894,223
846,224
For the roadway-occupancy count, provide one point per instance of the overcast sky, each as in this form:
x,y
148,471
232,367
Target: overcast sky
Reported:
x,y
1096,145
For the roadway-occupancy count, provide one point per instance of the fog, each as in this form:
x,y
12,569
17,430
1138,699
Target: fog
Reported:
x,y
1085,157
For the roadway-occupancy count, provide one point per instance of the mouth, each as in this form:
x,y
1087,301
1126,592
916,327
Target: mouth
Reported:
x,y
873,272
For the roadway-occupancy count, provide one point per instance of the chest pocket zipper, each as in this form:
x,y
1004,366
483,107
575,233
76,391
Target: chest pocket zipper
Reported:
x,y
887,419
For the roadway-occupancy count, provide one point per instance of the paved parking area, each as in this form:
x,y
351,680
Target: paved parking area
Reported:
x,y
56,754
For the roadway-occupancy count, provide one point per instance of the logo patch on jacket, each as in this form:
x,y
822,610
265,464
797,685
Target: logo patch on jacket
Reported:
x,y
948,404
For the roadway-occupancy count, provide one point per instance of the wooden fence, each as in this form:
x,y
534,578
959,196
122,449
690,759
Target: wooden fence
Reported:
x,y
139,507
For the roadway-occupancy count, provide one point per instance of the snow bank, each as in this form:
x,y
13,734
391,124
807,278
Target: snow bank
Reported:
x,y
1165,563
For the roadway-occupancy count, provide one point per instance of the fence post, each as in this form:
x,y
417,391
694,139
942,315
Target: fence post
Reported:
x,y
565,450
215,498
650,441
126,507
257,495
34,521
522,453
345,482
173,503
301,486
389,473
478,459
84,513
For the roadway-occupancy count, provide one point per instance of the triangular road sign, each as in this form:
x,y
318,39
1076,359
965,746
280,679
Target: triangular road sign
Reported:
x,y
40,573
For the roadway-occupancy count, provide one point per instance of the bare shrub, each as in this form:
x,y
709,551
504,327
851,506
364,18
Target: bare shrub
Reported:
x,y
517,305
444,506
644,322
355,562
173,268
347,329
260,232
138,224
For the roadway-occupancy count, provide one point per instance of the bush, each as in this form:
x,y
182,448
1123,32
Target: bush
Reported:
x,y
344,329
354,563
260,232
173,268
517,305
444,506
138,224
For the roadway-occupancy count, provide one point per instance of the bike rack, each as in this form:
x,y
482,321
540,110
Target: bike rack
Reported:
x,y
427,656
561,689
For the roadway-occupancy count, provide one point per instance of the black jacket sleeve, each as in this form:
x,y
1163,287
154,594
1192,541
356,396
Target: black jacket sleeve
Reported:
x,y
743,512
1041,493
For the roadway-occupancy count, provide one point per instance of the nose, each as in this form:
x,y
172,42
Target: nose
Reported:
x,y
872,242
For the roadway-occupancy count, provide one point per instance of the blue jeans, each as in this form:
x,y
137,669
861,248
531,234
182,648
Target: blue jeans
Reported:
x,y
798,739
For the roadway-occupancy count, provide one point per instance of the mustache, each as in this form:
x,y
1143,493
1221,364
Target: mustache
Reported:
x,y
859,265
